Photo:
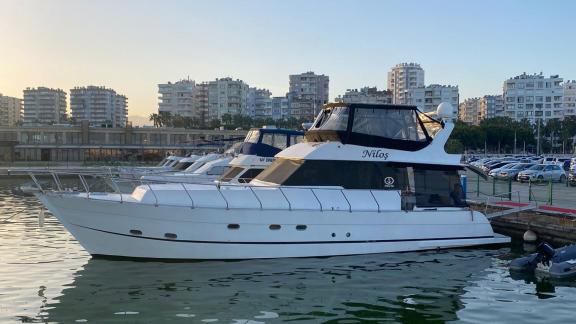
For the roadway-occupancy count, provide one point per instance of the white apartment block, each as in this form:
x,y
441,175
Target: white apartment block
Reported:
x,y
569,101
227,96
469,111
201,106
100,106
44,106
367,95
178,98
403,77
491,106
10,111
428,98
275,108
533,97
257,100
308,93
121,111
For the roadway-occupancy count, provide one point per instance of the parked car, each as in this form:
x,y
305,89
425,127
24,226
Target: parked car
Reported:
x,y
512,173
494,172
542,172
495,165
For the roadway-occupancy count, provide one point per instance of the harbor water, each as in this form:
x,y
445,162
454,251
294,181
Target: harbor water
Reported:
x,y
46,277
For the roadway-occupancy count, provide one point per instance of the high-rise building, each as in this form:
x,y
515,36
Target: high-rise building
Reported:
x,y
201,106
368,95
491,107
469,111
403,77
100,106
275,108
178,98
121,111
44,106
569,101
10,111
308,93
227,96
256,102
428,98
533,97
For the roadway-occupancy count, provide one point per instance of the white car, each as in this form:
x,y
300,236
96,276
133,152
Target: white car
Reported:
x,y
542,172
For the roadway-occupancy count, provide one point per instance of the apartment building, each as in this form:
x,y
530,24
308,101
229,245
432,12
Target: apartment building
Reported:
x,y
257,100
569,98
403,77
10,111
469,111
491,106
368,95
227,96
533,97
177,98
429,97
100,106
44,106
308,93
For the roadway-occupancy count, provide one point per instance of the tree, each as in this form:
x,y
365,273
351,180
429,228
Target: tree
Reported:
x,y
155,119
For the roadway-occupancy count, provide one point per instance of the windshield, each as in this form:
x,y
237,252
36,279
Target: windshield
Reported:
x,y
333,119
252,136
390,123
537,167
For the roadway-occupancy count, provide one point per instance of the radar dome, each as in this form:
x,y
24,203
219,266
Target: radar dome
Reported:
x,y
445,110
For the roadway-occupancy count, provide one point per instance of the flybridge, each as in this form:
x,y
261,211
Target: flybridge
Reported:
x,y
383,126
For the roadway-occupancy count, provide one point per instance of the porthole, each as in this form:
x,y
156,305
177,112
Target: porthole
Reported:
x,y
301,227
233,226
348,234
275,227
135,232
170,235
333,234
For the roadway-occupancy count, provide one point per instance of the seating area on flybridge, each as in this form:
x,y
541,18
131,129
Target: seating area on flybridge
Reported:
x,y
386,126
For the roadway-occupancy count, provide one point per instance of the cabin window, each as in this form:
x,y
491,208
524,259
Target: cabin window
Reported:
x,y
182,165
249,175
280,141
217,170
438,188
268,139
231,173
401,124
347,174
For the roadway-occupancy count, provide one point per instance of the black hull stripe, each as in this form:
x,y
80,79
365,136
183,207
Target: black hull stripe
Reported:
x,y
295,242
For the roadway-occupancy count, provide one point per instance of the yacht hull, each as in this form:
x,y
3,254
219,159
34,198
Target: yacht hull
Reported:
x,y
133,230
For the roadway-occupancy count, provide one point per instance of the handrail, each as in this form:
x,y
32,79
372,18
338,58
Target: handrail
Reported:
x,y
255,195
153,193
227,205
321,208
287,200
349,205
36,182
56,181
189,196
376,200
85,185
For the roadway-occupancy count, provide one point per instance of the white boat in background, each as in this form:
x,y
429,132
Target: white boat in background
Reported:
x,y
369,179
206,173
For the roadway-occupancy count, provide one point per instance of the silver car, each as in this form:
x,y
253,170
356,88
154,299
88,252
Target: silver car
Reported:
x,y
543,172
512,172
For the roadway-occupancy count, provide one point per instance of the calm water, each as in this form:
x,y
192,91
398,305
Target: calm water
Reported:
x,y
45,276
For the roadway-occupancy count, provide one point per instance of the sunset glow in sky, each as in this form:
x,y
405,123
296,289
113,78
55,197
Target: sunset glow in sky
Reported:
x,y
131,46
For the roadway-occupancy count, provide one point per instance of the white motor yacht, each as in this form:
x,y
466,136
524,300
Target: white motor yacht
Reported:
x,y
202,170
369,179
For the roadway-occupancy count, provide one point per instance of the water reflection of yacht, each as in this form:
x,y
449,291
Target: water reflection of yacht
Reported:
x,y
352,287
369,179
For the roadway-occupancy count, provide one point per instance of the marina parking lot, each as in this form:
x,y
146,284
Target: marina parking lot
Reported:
x,y
555,193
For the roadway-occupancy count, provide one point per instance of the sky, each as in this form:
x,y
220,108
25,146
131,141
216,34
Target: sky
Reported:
x,y
132,46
